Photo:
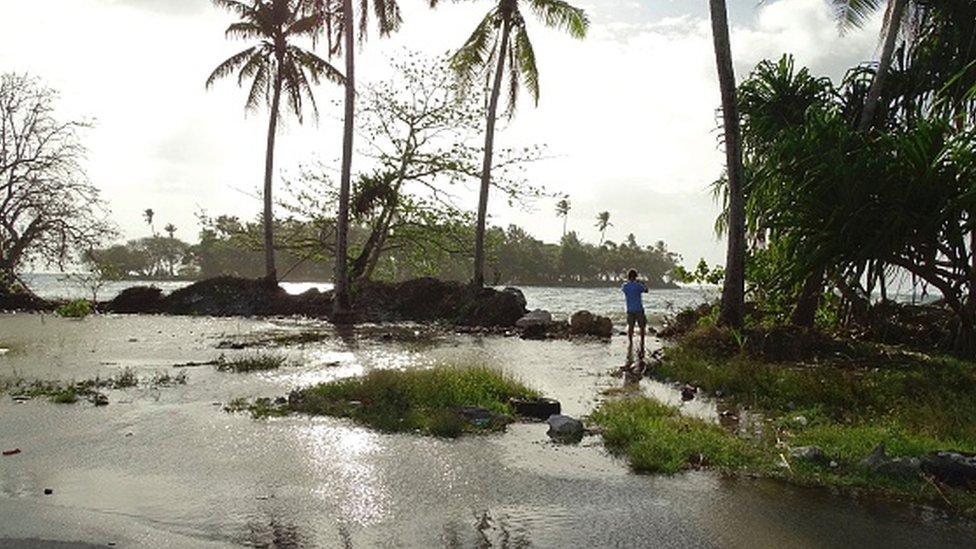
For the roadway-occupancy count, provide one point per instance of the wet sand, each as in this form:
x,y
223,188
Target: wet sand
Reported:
x,y
167,467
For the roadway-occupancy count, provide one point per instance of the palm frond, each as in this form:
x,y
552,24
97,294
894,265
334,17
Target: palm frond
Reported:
x,y
559,14
317,67
476,53
852,14
260,88
306,26
244,30
514,81
230,65
240,8
524,57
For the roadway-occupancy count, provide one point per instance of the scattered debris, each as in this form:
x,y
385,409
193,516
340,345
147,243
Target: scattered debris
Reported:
x,y
13,452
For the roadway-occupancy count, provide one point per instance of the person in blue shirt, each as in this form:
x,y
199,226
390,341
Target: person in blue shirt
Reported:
x,y
634,291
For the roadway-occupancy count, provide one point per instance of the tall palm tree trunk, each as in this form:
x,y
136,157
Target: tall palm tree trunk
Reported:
x,y
733,292
479,237
341,303
271,273
893,24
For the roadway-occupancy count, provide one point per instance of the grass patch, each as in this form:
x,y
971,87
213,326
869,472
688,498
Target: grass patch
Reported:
x,y
430,401
256,362
69,392
655,438
845,402
79,308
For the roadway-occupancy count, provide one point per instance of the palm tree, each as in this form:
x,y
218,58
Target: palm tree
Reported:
x,y
274,65
170,230
148,214
388,19
732,311
502,38
562,210
602,222
854,13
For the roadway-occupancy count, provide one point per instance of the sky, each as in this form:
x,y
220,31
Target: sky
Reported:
x,y
628,115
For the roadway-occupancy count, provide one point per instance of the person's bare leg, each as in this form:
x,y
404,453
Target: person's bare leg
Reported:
x,y
643,330
630,345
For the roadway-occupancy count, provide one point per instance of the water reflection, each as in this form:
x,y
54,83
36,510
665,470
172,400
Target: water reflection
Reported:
x,y
352,480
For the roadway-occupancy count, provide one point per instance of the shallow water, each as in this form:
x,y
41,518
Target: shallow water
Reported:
x,y
168,468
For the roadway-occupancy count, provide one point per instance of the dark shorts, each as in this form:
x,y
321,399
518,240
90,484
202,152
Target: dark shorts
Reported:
x,y
638,318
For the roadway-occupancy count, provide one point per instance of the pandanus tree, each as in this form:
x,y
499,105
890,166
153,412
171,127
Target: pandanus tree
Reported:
x,y
732,309
562,210
498,46
602,223
340,23
275,66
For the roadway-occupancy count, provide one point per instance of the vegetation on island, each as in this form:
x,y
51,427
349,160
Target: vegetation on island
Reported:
x,y
442,401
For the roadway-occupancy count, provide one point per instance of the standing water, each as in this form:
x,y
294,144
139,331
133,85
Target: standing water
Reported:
x,y
165,467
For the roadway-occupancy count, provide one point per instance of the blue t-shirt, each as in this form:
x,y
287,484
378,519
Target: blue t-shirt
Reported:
x,y
634,291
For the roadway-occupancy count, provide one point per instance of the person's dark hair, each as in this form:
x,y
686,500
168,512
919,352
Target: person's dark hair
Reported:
x,y
632,274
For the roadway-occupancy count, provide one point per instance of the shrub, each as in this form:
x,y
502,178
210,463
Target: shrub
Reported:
x,y
79,308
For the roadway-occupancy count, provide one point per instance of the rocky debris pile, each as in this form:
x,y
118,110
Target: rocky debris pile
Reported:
x,y
539,324
421,300
951,468
433,300
24,301
565,429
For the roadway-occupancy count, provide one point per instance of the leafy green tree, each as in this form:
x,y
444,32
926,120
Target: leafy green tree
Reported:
x,y
502,38
275,66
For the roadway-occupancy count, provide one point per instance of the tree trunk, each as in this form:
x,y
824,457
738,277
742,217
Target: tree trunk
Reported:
x,y
341,303
733,291
270,273
805,312
479,236
895,15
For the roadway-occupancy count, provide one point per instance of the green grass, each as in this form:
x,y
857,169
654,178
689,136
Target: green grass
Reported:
x,y
79,308
69,392
845,403
426,401
255,362
655,438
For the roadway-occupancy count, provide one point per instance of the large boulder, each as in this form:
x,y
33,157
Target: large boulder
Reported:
x,y
536,408
565,429
952,468
229,296
490,308
534,318
588,324
138,299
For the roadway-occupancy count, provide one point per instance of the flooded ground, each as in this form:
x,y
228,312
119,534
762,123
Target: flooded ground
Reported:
x,y
167,468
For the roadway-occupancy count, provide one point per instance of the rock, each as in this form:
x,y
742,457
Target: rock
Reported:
x,y
588,324
813,454
98,399
952,468
904,468
13,452
519,296
534,318
565,429
491,308
48,491
541,408
688,393
138,299
801,420
875,458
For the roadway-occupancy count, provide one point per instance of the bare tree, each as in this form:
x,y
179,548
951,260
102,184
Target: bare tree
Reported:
x,y
48,208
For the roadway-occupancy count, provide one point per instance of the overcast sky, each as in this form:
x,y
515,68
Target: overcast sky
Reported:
x,y
628,115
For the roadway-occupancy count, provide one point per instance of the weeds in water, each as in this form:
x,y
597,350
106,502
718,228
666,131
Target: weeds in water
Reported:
x,y
257,362
165,379
259,408
656,438
69,392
